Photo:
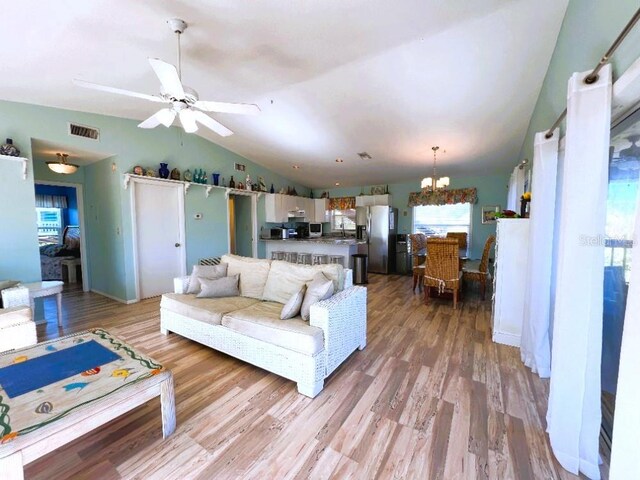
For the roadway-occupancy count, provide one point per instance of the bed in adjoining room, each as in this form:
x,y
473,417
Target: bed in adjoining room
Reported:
x,y
52,255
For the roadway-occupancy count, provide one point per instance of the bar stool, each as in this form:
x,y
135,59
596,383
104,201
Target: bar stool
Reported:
x,y
319,258
337,259
291,257
277,255
304,258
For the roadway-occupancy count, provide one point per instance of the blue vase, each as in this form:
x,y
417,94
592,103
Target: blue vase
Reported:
x,y
215,178
163,171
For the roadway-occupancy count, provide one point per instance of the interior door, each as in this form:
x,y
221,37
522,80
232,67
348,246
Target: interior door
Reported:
x,y
159,230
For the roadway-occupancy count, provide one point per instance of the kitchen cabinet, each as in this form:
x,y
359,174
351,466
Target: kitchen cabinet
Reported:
x,y
278,206
373,200
320,210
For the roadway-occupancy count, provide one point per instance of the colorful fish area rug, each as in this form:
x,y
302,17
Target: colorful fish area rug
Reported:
x,y
46,382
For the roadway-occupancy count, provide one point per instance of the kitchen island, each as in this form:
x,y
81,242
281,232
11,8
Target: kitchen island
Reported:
x,y
323,245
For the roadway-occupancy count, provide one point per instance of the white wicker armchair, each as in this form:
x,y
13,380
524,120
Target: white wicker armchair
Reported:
x,y
17,328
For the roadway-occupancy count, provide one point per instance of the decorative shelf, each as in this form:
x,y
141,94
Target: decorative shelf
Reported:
x,y
25,162
127,177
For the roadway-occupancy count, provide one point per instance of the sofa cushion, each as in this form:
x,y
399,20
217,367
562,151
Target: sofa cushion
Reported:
x,y
285,279
319,289
218,287
208,310
253,274
205,271
262,322
292,307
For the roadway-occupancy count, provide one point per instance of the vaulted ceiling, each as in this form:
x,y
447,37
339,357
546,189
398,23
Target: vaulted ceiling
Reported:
x,y
332,78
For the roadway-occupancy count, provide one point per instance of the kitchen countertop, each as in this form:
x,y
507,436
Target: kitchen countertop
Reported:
x,y
324,240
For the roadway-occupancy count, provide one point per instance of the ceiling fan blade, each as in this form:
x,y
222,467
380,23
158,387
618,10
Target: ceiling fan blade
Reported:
x,y
168,76
211,124
188,121
222,107
119,91
161,117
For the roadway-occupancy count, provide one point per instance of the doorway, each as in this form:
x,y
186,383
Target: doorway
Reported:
x,y
61,232
158,235
243,224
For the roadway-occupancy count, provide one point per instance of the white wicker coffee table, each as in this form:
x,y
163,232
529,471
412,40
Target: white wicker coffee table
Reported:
x,y
75,384
44,289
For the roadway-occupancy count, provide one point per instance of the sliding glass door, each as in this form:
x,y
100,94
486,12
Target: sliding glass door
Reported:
x,y
624,171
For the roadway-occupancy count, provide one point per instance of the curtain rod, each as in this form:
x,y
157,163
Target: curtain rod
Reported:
x,y
593,76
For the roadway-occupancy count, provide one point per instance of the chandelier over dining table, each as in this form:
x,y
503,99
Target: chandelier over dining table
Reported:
x,y
434,183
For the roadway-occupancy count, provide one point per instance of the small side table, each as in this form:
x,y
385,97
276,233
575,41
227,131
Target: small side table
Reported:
x,y
45,289
71,265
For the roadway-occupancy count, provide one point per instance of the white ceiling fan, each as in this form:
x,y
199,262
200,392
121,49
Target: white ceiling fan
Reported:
x,y
184,100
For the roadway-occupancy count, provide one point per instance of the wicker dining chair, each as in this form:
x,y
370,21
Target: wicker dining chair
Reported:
x,y
418,242
480,272
461,237
441,268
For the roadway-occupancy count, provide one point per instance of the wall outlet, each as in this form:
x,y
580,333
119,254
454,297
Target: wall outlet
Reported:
x,y
198,216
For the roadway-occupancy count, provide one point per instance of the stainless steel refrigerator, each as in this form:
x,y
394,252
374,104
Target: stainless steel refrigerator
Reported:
x,y
380,233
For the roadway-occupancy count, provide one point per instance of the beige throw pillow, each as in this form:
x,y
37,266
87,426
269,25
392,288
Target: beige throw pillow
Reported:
x,y
210,272
319,289
292,307
219,287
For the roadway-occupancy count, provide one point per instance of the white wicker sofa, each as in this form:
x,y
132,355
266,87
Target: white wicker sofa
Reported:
x,y
248,327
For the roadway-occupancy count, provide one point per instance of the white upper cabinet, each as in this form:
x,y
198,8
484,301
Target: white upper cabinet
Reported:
x,y
278,206
372,200
321,210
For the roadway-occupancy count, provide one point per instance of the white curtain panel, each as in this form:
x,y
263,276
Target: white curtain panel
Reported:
x,y
625,453
51,201
516,188
574,415
535,349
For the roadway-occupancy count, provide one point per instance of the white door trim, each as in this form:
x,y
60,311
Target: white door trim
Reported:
x,y
254,218
134,228
84,264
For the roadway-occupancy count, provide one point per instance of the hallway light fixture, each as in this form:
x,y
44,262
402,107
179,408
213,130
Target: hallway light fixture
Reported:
x,y
434,183
62,166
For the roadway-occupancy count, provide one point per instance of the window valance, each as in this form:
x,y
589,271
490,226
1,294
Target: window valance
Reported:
x,y
342,203
51,201
443,197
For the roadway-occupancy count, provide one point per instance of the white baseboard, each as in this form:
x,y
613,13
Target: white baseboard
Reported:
x,y
506,339
126,302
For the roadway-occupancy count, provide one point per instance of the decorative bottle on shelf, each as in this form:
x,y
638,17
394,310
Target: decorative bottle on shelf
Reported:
x,y
272,190
163,172
232,182
9,149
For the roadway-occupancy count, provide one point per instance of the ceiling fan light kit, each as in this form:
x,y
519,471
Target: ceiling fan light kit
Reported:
x,y
184,100
434,183
62,166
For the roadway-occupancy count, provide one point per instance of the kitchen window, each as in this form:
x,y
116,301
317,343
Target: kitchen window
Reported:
x,y
441,219
346,217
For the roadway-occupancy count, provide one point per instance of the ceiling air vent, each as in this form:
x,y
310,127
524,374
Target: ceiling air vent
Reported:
x,y
239,167
84,131
364,156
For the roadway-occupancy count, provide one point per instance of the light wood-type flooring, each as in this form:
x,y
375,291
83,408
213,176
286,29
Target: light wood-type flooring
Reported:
x,y
430,397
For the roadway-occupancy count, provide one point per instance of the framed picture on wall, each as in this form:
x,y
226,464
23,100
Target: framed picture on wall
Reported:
x,y
489,213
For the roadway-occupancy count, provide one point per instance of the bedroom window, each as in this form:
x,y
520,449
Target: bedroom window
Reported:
x,y
49,225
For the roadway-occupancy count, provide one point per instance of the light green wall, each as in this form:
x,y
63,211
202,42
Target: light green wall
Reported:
x,y
106,202
492,190
588,30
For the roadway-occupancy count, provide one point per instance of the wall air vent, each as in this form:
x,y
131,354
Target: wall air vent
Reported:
x,y
76,130
364,156
239,167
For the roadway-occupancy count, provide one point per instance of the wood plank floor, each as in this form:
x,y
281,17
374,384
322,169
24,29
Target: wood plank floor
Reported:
x,y
430,397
